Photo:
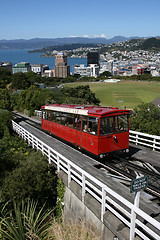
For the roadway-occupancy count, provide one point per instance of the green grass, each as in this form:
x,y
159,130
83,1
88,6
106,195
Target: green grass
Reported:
x,y
125,93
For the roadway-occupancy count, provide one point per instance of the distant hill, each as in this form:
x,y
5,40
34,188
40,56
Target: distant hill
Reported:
x,y
38,43
151,44
65,47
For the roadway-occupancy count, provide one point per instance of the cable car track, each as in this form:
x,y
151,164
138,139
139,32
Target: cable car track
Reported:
x,y
133,170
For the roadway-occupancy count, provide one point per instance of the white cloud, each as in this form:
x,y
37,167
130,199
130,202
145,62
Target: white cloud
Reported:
x,y
86,36
74,36
100,36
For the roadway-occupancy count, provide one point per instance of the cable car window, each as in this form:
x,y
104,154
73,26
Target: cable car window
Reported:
x,y
58,117
90,125
53,116
43,115
64,119
121,123
68,121
46,115
85,124
49,115
107,126
77,122
93,125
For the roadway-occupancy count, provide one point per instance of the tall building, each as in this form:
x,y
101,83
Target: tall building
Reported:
x,y
61,58
93,58
61,69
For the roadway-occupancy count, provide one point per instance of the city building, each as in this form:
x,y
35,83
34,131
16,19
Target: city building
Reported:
x,y
47,73
39,68
92,58
6,65
106,66
138,70
91,71
21,67
61,69
134,70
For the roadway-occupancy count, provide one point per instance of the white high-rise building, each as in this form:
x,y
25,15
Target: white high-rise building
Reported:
x,y
91,71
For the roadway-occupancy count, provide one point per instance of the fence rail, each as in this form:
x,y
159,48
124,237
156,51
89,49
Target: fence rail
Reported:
x,y
128,213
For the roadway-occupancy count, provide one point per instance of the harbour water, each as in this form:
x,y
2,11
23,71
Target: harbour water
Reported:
x,y
16,56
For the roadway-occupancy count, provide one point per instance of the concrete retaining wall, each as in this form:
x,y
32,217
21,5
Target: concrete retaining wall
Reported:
x,y
76,211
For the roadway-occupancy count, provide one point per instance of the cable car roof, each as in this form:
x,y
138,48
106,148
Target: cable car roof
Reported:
x,y
84,109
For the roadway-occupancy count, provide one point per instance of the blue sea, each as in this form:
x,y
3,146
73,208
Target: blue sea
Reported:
x,y
16,56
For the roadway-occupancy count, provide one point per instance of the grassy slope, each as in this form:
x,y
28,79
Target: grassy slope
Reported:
x,y
124,93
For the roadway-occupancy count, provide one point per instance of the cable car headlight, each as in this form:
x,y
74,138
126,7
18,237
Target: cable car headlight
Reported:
x,y
115,138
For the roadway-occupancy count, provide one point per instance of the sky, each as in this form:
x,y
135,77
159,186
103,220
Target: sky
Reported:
x,y
85,18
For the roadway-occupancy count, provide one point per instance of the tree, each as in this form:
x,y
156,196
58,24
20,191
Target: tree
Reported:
x,y
33,77
20,81
80,94
105,74
18,99
32,177
5,122
6,99
24,172
146,118
5,77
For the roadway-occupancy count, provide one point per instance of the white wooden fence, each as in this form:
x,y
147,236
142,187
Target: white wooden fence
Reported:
x,y
131,215
145,139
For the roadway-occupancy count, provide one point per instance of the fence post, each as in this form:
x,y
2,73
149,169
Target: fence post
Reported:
x,y
49,156
103,203
154,144
28,137
83,187
32,142
133,216
69,174
42,149
58,164
136,139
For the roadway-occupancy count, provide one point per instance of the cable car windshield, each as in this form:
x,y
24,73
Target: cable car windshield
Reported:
x,y
114,124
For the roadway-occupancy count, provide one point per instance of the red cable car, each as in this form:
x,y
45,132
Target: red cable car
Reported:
x,y
98,130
